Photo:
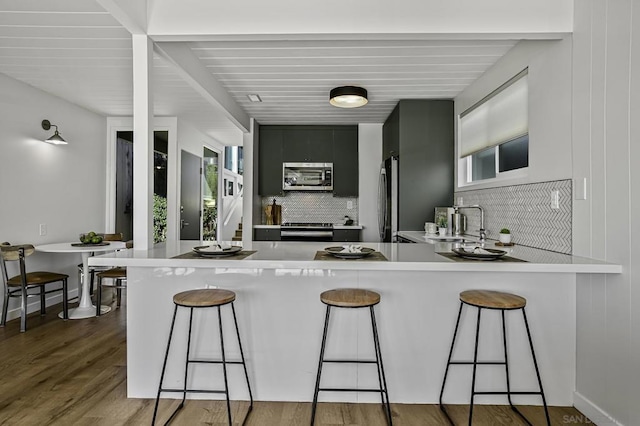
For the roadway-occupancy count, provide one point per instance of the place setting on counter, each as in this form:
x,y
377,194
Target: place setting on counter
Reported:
x,y
216,251
470,253
349,252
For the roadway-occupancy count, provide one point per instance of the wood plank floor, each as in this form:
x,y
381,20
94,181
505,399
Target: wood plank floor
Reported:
x,y
74,373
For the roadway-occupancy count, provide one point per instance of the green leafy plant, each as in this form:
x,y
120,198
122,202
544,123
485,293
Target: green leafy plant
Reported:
x,y
209,224
442,222
505,231
159,218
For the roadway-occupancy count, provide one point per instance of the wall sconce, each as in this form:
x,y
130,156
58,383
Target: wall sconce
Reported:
x,y
55,139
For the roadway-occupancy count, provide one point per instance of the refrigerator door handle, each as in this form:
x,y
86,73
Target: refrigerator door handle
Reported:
x,y
382,202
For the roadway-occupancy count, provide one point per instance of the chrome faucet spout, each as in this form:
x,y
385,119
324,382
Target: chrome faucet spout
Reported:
x,y
483,232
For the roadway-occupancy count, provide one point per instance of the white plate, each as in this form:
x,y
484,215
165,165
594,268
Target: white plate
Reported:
x,y
492,255
338,252
215,251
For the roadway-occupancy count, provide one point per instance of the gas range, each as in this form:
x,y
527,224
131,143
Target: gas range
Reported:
x,y
301,231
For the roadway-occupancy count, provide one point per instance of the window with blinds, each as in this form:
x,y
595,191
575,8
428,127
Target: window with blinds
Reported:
x,y
494,133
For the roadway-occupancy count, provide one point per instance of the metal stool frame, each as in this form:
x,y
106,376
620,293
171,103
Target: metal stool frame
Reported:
x,y
382,380
223,361
475,364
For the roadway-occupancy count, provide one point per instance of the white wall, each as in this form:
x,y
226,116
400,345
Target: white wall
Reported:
x,y
369,159
60,186
549,65
606,103
370,16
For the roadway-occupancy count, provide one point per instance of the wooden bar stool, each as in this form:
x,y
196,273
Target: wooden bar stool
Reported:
x,y
495,300
203,298
352,298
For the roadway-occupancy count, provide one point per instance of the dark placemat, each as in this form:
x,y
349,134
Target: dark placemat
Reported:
x,y
457,258
375,256
238,256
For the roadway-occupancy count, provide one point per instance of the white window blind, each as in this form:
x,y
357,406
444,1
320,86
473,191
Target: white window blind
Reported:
x,y
500,117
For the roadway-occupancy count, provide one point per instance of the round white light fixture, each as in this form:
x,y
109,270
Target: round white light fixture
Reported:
x,y
348,97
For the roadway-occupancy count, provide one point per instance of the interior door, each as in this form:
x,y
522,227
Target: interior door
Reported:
x,y
190,196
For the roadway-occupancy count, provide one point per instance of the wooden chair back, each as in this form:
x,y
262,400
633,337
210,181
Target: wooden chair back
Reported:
x,y
112,237
14,253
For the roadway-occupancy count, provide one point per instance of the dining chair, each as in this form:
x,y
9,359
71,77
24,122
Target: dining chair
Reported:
x,y
93,269
21,285
117,279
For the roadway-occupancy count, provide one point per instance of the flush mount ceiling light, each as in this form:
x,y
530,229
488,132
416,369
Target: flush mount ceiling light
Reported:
x,y
254,98
348,97
55,139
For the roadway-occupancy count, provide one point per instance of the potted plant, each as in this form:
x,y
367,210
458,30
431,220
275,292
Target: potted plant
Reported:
x,y
442,226
505,236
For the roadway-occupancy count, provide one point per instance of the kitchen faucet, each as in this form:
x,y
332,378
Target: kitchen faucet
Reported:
x,y
483,232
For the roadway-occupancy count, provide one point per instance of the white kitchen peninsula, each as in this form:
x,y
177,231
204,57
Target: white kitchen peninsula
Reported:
x,y
281,317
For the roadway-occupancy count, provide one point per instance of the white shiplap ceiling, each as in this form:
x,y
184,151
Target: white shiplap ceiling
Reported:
x,y
76,50
294,78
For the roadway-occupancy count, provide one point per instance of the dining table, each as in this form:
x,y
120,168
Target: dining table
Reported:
x,y
86,309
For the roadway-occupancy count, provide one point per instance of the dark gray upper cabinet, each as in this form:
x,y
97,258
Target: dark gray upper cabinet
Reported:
x,y
308,144
391,134
270,161
345,161
420,133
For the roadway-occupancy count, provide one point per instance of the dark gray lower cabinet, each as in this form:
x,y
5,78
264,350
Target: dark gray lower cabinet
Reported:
x,y
266,234
346,235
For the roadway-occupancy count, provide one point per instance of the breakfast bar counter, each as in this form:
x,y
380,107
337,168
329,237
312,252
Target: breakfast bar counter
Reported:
x,y
281,318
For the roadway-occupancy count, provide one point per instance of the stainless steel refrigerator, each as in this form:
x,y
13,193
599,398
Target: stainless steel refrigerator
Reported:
x,y
388,200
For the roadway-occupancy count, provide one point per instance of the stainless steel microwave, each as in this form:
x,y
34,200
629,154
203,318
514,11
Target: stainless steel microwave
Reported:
x,y
307,176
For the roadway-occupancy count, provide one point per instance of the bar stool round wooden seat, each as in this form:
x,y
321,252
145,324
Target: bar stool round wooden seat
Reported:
x,y
352,298
202,299
500,301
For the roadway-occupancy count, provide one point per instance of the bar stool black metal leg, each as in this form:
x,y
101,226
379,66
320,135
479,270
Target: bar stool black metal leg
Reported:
x,y
164,366
475,367
224,367
317,388
384,393
506,360
535,364
244,364
186,366
446,371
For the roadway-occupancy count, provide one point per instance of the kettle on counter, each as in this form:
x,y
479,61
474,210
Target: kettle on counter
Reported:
x,y
458,223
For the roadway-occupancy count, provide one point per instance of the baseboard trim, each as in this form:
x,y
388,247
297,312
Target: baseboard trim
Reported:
x,y
34,306
592,411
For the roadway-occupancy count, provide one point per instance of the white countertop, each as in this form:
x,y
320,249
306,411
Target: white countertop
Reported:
x,y
334,226
401,257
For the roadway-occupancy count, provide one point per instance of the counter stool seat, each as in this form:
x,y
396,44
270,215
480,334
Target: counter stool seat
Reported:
x,y
502,302
203,299
352,298
490,299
